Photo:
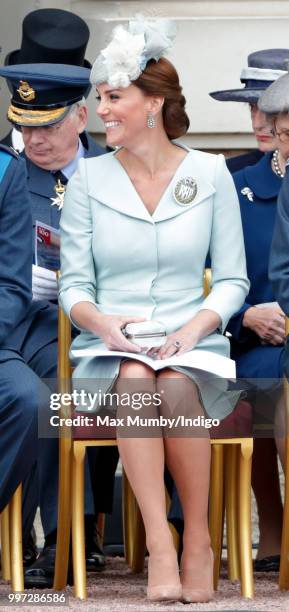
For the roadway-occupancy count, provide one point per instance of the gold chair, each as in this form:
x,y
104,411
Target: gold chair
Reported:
x,y
71,489
71,483
11,542
231,473
230,489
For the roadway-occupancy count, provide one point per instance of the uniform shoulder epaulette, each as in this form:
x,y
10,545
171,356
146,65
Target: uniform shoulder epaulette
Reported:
x,y
9,150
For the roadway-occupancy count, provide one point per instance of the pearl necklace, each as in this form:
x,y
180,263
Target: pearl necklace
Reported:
x,y
276,164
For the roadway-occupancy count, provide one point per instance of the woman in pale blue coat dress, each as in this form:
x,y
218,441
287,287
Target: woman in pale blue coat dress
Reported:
x,y
133,248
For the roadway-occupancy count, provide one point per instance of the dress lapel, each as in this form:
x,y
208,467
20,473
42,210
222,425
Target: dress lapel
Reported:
x,y
116,190
168,207
261,179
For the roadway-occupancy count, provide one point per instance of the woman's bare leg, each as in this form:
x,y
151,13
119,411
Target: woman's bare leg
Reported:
x,y
143,461
188,459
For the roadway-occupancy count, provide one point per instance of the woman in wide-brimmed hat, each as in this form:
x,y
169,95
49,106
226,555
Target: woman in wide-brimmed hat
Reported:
x,y
258,329
275,102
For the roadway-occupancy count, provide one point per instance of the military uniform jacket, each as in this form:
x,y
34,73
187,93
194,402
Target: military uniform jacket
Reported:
x,y
41,185
258,187
15,246
40,324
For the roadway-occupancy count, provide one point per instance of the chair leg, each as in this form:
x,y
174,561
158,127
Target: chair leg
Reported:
x,y
133,528
101,526
284,562
175,535
245,535
139,544
216,507
231,502
5,545
64,515
16,551
127,508
78,530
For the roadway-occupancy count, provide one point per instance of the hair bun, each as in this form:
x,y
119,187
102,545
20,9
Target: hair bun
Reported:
x,y
161,79
176,121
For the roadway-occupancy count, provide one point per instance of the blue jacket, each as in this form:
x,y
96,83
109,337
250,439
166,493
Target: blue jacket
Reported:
x,y
15,244
258,189
41,185
279,258
40,324
238,162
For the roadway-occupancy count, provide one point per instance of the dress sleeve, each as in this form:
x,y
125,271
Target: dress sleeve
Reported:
x,y
230,284
78,281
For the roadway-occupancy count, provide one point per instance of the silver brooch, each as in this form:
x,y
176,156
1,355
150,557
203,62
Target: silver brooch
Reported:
x,y
185,191
246,191
60,193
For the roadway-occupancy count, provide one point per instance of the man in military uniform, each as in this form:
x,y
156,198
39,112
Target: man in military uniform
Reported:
x,y
48,105
18,405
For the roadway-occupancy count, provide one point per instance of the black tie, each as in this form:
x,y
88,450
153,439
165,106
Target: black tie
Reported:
x,y
59,176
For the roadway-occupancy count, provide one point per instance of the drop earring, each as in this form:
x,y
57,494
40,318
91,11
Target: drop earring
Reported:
x,y
151,122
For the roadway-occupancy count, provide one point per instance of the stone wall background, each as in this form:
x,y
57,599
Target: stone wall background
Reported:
x,y
214,39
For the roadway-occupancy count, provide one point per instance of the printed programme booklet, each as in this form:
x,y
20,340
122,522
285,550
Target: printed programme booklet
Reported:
x,y
197,358
47,246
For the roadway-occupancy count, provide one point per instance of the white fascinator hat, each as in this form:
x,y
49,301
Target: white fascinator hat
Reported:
x,y
131,48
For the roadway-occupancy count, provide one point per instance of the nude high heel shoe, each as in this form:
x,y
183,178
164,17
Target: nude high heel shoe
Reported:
x,y
197,584
163,578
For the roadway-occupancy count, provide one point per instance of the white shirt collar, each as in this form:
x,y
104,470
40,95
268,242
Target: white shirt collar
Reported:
x,y
17,140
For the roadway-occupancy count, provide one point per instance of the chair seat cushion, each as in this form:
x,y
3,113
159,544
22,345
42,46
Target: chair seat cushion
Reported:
x,y
238,424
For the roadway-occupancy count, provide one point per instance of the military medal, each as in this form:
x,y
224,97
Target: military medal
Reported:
x,y
60,193
185,191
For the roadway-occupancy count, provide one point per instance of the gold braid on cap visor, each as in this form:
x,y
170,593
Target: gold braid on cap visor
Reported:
x,y
37,117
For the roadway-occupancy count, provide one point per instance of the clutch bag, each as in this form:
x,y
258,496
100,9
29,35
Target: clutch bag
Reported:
x,y
145,333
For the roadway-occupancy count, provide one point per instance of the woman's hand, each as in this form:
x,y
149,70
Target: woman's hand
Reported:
x,y
267,322
176,344
109,329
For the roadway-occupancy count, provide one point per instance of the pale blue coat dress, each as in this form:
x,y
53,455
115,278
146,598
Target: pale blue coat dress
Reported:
x,y
117,256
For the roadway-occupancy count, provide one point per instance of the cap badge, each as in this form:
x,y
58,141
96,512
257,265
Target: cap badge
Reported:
x,y
60,193
185,191
246,191
26,92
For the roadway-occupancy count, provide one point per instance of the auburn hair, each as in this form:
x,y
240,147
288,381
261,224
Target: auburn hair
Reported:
x,y
160,78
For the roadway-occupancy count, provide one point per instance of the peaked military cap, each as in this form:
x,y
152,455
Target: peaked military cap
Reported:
x,y
43,93
264,67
